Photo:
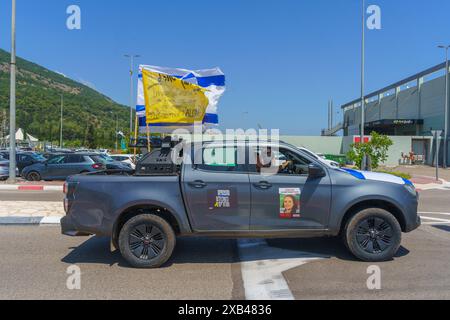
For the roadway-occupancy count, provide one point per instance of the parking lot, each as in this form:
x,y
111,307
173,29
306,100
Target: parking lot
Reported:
x,y
35,261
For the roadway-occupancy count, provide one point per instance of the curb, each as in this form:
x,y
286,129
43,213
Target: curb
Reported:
x,y
15,187
30,220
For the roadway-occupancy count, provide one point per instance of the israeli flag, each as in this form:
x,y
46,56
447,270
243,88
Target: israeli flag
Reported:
x,y
211,79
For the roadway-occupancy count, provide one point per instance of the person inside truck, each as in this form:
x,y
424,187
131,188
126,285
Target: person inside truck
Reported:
x,y
265,158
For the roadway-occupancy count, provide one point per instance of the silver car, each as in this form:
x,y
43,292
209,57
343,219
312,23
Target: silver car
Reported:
x,y
4,169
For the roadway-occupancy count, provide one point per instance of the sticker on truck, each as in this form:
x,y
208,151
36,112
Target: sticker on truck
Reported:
x,y
222,198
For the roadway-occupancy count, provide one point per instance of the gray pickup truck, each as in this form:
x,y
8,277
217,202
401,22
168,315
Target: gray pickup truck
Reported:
x,y
229,195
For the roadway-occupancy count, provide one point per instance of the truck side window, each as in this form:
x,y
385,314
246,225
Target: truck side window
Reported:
x,y
282,161
221,159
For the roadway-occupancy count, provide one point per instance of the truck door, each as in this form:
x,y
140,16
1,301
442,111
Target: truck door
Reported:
x,y
285,198
217,189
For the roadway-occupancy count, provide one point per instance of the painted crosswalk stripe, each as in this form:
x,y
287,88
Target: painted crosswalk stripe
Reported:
x,y
262,268
436,220
438,213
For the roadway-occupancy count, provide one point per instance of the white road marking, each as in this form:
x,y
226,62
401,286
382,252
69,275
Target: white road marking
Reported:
x,y
435,223
51,220
436,219
262,267
438,213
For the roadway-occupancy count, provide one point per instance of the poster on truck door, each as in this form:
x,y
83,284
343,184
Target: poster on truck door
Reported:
x,y
290,203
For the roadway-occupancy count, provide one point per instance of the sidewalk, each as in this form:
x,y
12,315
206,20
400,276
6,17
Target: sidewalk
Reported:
x,y
423,171
31,212
424,177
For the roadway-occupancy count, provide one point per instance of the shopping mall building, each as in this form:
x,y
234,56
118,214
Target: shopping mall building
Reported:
x,y
407,110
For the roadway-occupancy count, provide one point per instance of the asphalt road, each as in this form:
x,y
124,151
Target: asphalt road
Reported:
x,y
34,261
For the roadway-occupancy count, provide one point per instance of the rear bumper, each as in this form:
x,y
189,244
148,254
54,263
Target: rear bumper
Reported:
x,y
69,228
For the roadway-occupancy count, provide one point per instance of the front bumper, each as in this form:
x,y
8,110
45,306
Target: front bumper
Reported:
x,y
412,218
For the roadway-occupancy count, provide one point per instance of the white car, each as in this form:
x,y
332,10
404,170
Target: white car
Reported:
x,y
125,158
321,158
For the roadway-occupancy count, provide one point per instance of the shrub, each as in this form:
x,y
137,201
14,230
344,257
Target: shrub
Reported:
x,y
376,149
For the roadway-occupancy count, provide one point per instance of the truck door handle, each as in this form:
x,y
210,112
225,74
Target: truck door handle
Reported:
x,y
263,185
197,184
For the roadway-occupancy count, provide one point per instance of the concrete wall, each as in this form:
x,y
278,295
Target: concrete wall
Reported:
x,y
341,145
325,145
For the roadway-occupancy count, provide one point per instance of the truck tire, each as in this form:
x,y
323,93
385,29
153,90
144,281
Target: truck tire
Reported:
x,y
373,235
146,241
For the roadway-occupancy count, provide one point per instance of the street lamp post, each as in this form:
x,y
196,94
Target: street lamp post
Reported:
x,y
363,40
446,112
12,104
132,57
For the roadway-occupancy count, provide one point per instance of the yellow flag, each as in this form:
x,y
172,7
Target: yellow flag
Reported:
x,y
172,100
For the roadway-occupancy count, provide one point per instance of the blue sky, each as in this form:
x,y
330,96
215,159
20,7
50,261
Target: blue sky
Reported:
x,y
283,59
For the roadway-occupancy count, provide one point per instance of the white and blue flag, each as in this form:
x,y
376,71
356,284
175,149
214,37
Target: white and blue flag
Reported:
x,y
211,79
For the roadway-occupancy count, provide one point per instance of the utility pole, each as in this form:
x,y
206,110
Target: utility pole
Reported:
x,y
331,114
61,128
446,112
12,103
131,56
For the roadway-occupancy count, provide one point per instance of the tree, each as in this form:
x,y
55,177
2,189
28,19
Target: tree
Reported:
x,y
377,149
90,139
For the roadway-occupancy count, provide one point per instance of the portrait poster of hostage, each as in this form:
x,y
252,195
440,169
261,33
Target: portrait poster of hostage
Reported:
x,y
290,203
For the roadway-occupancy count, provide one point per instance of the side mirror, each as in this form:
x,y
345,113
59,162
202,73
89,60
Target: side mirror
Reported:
x,y
315,171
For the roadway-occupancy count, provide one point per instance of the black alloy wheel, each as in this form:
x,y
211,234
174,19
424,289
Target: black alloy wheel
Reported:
x,y
374,235
146,241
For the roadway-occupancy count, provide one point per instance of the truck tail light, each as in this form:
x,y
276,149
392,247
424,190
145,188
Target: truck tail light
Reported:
x,y
69,190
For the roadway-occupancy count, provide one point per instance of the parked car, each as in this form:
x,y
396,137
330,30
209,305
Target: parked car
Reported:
x,y
25,159
128,159
4,169
110,163
217,196
320,157
60,166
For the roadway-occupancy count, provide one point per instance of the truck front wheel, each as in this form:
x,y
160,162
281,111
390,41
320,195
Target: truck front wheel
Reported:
x,y
373,234
146,241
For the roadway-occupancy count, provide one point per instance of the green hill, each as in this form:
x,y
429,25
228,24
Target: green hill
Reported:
x,y
89,116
